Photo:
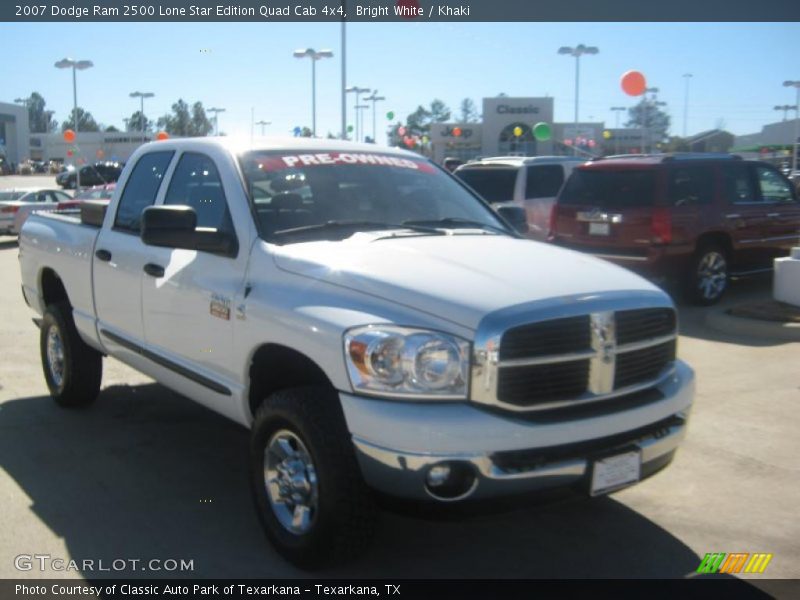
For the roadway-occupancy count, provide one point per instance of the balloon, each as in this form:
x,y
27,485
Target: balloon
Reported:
x,y
633,83
517,131
401,131
297,131
390,115
69,152
606,135
591,143
349,129
410,142
162,135
457,131
425,139
100,154
568,142
69,136
542,132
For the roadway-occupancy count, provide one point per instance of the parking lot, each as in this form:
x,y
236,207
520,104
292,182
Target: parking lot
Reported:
x,y
147,474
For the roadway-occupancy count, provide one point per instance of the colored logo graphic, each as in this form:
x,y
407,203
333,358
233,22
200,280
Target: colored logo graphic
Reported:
x,y
736,562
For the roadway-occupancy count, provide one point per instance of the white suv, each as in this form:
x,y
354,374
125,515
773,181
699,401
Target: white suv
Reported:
x,y
530,182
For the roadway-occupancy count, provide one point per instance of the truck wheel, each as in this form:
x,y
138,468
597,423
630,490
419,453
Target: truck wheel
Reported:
x,y
307,486
72,369
708,275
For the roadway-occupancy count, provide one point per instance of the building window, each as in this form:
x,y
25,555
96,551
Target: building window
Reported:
x,y
520,145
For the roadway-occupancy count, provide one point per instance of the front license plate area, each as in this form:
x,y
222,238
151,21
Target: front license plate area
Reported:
x,y
614,472
599,228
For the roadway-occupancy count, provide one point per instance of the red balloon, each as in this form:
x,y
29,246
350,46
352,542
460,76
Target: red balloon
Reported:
x,y
457,131
69,152
162,135
69,136
410,142
633,83
401,131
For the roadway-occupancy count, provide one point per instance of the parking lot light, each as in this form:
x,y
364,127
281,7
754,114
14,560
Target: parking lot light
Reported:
x,y
374,98
354,89
796,86
216,112
141,96
75,65
577,52
314,55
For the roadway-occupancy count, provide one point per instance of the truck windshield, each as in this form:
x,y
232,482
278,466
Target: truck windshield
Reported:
x,y
609,189
333,195
494,184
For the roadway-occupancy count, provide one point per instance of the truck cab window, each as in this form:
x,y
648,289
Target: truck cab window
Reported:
x,y
196,183
141,190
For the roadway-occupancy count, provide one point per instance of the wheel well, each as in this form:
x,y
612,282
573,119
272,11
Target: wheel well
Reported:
x,y
275,367
53,290
720,239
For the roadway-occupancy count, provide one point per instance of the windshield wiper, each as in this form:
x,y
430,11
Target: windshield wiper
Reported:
x,y
357,225
457,222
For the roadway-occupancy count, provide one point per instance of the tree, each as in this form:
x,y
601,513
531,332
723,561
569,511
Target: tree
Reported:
x,y
419,122
39,119
647,115
136,120
111,129
178,122
200,126
86,121
469,114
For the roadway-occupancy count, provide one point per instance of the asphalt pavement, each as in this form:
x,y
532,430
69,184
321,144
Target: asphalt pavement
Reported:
x,y
146,474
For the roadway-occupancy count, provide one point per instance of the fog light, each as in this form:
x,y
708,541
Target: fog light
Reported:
x,y
438,475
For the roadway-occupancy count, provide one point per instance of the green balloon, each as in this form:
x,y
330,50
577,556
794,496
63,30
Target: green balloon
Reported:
x,y
390,115
349,129
542,132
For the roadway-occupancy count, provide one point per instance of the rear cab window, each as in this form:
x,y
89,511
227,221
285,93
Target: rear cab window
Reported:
x,y
141,190
606,188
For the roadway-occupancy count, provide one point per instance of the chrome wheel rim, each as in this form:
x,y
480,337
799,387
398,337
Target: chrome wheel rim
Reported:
x,y
712,275
291,482
55,356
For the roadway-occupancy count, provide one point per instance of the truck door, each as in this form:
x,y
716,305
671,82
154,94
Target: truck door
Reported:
x,y
120,256
189,297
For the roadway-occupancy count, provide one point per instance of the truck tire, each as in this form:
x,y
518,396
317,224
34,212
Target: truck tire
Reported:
x,y
72,369
707,277
307,486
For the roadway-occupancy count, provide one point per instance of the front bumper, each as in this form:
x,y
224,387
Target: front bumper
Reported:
x,y
397,443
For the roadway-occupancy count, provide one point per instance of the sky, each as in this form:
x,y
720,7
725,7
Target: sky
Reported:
x,y
738,69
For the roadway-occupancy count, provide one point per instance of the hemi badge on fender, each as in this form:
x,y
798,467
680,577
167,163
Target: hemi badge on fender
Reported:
x,y
220,307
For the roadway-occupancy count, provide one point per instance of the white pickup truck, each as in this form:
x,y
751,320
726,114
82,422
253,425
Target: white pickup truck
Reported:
x,y
377,326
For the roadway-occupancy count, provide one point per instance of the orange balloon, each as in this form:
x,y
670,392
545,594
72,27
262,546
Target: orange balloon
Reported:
x,y
162,135
633,83
457,131
69,136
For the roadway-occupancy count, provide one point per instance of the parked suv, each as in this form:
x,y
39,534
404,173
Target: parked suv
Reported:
x,y
99,173
532,183
696,218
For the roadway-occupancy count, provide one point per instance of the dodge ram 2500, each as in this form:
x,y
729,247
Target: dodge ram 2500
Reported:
x,y
379,328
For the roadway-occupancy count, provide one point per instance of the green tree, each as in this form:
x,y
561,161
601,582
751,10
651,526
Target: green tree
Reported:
x,y
469,113
86,121
200,125
419,122
178,123
649,116
39,119
136,120
111,129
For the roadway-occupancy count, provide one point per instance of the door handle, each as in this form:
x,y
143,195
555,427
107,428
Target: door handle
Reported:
x,y
103,255
154,270
772,215
733,216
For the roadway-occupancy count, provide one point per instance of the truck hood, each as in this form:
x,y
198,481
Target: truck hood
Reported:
x,y
461,277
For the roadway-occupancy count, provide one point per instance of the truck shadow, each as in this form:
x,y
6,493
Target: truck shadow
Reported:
x,y
146,474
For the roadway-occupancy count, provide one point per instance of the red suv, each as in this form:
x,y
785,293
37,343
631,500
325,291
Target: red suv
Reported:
x,y
697,218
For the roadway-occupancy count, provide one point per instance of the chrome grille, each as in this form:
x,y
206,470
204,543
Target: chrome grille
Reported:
x,y
577,359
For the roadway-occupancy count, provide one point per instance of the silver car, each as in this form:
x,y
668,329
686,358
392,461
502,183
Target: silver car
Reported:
x,y
14,200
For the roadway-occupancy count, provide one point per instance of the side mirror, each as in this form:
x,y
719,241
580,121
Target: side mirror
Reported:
x,y
175,226
515,216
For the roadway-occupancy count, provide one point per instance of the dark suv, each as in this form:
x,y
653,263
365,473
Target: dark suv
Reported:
x,y
695,218
99,173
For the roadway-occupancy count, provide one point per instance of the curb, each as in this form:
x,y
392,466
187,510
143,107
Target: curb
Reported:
x,y
772,330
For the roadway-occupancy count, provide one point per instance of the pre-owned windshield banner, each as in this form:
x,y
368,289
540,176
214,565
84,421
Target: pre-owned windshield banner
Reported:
x,y
399,10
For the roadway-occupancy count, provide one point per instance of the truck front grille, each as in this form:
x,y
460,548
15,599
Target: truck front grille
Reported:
x,y
568,361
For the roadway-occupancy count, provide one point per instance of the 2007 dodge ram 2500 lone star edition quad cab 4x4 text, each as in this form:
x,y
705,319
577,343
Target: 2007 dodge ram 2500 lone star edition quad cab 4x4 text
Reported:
x,y
377,326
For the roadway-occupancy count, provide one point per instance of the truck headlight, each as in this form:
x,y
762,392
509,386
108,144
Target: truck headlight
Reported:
x,y
386,360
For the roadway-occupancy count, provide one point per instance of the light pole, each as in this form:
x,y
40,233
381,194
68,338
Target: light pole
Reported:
x,y
687,77
617,110
75,65
784,107
141,96
344,73
263,124
360,108
374,98
354,89
216,112
314,55
796,86
577,52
